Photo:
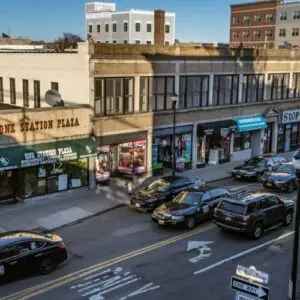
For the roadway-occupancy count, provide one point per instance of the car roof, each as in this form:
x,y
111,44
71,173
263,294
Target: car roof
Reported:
x,y
19,236
250,198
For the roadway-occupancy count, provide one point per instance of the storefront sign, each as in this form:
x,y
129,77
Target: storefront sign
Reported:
x,y
251,123
38,125
291,116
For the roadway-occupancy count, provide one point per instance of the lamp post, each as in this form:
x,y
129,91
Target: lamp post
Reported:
x,y
174,99
293,279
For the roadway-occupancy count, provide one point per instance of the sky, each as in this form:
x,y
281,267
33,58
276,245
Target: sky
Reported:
x,y
196,20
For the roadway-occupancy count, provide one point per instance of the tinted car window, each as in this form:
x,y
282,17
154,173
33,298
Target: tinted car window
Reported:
x,y
273,200
181,183
206,197
252,207
277,160
188,198
284,169
232,207
10,251
254,161
268,202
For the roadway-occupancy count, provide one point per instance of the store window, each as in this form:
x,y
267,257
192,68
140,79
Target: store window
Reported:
x,y
193,91
280,138
278,86
225,89
253,88
242,141
114,96
295,136
200,150
295,91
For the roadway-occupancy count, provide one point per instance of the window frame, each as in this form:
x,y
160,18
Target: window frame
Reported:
x,y
114,27
168,28
246,20
147,27
12,90
98,28
37,93
106,27
283,15
25,83
295,31
137,26
125,26
269,17
90,28
275,85
282,32
295,90
103,97
259,90
1,90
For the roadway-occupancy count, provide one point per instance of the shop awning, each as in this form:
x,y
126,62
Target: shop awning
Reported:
x,y
215,127
46,153
250,123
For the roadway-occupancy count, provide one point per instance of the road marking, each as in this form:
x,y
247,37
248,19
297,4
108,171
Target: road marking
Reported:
x,y
241,254
204,250
50,285
146,288
241,187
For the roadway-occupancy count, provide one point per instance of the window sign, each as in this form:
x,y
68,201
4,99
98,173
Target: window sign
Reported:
x,y
103,164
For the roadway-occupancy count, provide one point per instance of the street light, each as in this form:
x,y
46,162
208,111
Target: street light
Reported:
x,y
293,279
174,99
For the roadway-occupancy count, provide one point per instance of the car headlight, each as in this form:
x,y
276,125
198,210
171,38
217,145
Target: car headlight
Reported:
x,y
177,218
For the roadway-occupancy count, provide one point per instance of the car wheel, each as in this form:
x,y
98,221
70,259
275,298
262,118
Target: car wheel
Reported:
x,y
47,265
288,218
290,187
190,223
257,231
259,177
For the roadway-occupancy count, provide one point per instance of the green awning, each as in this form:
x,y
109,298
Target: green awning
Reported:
x,y
46,153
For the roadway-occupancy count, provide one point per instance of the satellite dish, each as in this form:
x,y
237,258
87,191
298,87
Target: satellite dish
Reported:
x,y
53,98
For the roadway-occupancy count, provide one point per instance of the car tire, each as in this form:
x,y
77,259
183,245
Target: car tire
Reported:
x,y
288,218
259,177
47,265
190,223
290,187
257,231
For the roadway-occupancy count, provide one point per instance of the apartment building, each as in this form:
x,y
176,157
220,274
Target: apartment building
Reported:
x,y
253,24
133,26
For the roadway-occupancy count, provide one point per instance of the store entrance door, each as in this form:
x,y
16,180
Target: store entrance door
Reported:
x,y
268,138
7,189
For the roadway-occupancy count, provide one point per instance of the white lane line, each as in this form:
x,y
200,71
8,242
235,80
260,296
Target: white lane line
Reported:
x,y
238,255
241,187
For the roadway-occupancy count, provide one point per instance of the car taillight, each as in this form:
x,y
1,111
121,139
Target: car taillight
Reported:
x,y
62,245
246,219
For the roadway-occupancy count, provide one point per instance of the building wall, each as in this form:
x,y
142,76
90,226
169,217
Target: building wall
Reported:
x,y
288,24
70,70
251,10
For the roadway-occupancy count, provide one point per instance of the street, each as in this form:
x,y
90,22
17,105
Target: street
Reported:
x,y
122,255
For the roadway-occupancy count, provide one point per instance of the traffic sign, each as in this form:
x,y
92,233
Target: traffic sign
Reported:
x,y
249,288
243,297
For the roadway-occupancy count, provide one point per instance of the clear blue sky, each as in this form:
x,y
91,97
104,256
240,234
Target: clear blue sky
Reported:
x,y
197,20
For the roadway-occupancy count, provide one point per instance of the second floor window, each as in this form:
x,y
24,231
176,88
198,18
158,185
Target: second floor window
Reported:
x,y
257,19
246,20
256,35
106,27
295,92
295,32
269,17
149,27
1,90
114,96
253,88
282,32
98,28
283,15
278,86
25,93
225,89
167,28
36,93
12,88
193,91
296,15
114,27
137,26
125,26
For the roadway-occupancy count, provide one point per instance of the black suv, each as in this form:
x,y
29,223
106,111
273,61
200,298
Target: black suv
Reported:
x,y
282,177
254,214
255,167
156,191
189,208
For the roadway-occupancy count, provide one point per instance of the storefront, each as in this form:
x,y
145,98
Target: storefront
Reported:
x,y
162,148
248,138
289,131
268,138
121,156
40,169
213,142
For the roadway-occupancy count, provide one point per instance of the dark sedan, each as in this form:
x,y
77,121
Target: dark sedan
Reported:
x,y
189,208
254,168
25,252
160,190
282,177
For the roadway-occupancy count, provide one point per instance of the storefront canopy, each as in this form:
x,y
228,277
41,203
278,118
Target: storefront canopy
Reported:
x,y
215,127
250,123
46,153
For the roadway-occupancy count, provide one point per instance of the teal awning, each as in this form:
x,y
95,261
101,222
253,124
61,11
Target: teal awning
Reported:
x,y
46,153
250,123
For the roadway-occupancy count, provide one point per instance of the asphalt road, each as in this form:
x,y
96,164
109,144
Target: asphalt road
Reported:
x,y
123,254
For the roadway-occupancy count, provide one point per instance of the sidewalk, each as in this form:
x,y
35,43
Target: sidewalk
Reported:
x,y
57,210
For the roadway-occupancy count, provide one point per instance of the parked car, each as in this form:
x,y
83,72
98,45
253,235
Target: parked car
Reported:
x,y
160,190
254,168
188,208
24,252
282,177
254,214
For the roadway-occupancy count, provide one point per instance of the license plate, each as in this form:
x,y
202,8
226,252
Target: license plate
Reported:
x,y
138,205
161,222
2,272
238,176
228,218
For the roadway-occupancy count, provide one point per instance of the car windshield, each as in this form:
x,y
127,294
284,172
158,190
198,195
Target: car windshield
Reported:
x,y
188,198
257,161
232,207
282,169
159,185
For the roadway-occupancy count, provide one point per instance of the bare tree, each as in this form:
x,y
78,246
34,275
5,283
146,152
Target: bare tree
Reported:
x,y
67,40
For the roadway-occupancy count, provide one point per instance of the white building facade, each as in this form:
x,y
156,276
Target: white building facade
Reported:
x,y
106,25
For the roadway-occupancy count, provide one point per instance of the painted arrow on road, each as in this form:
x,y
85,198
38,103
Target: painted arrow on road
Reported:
x,y
202,247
